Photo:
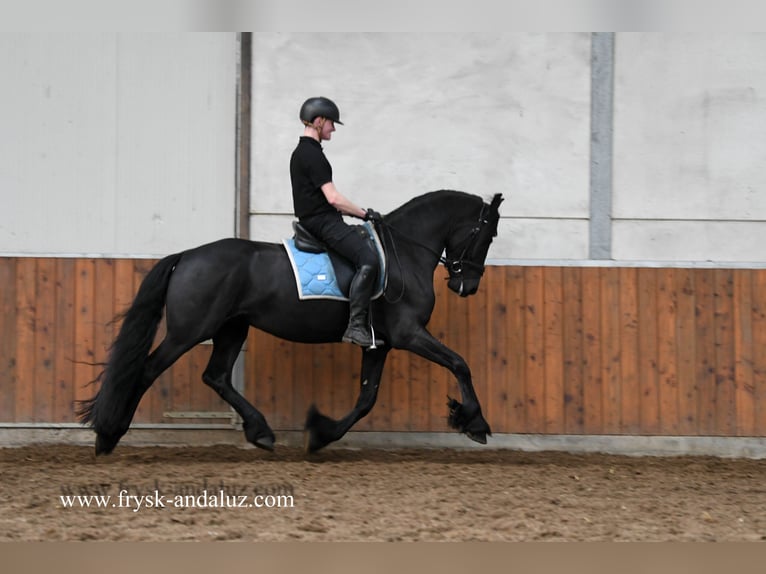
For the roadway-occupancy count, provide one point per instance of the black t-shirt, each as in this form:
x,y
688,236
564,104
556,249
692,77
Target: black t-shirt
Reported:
x,y
309,171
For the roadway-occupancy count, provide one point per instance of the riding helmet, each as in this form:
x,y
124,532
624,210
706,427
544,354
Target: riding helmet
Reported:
x,y
320,107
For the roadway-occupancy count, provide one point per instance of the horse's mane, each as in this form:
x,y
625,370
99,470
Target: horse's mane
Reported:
x,y
429,200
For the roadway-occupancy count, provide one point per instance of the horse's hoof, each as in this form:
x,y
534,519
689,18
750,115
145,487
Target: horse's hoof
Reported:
x,y
266,443
480,437
310,444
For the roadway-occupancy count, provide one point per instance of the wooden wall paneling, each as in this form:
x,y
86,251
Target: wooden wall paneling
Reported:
x,y
516,417
552,350
759,356
534,359
686,346
630,389
553,298
725,399
26,286
593,384
573,349
705,350
648,351
667,353
64,372
8,339
611,350
45,339
497,400
744,388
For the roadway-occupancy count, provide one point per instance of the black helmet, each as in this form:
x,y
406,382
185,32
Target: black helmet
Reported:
x,y
320,107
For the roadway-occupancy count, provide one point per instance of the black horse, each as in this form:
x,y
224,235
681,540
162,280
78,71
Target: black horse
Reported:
x,y
217,291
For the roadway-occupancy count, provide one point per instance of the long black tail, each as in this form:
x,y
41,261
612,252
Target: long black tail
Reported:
x,y
110,411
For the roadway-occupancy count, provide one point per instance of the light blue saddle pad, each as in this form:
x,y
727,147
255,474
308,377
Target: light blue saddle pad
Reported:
x,y
316,278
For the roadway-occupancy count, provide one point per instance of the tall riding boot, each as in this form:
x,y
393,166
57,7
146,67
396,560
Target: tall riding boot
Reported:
x,y
362,285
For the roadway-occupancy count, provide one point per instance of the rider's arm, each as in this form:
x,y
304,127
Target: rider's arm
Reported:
x,y
340,202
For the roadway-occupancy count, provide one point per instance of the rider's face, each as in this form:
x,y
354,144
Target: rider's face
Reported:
x,y
325,133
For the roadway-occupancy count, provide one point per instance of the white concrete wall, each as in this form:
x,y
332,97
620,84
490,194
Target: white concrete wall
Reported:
x,y
690,147
124,144
483,113
117,144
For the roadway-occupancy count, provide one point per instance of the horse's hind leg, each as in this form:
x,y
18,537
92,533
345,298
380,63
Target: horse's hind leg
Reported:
x,y
319,430
227,344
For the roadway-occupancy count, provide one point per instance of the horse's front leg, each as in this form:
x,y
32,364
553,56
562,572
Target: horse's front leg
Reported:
x,y
465,417
319,430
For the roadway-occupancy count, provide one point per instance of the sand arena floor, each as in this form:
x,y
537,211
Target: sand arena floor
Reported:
x,y
375,495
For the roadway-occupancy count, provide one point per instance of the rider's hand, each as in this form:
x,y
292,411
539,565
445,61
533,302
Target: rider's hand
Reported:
x,y
373,216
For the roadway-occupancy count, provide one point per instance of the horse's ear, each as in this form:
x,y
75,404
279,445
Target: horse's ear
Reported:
x,y
497,200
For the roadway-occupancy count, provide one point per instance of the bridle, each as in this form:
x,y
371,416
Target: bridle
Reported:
x,y
455,266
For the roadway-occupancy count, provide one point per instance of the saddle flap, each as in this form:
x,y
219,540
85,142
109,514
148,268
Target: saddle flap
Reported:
x,y
305,241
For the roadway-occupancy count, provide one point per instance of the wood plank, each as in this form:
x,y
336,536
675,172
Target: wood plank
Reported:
x,y
45,342
593,384
553,302
574,415
743,353
8,339
85,369
630,396
534,335
705,350
667,351
726,420
64,375
26,318
516,419
611,326
759,357
499,407
647,345
686,348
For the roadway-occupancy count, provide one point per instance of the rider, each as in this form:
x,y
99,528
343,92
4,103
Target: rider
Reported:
x,y
320,207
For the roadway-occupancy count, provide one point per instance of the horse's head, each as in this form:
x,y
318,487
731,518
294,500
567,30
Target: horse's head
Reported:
x,y
467,247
